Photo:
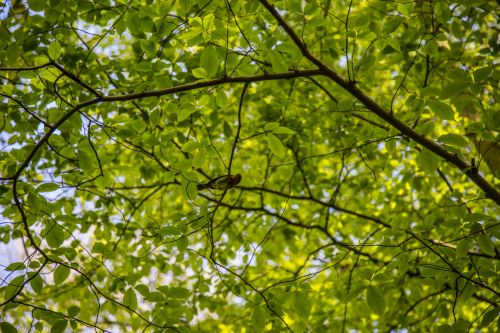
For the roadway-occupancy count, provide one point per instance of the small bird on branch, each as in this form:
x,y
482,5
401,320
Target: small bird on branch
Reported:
x,y
221,182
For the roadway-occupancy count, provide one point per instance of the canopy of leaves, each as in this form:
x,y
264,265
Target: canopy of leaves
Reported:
x,y
365,131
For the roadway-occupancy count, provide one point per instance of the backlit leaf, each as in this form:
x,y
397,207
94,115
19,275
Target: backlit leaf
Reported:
x,y
130,299
55,50
61,274
454,140
375,300
275,145
441,109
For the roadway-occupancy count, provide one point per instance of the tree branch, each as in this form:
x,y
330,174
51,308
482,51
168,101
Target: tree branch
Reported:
x,y
371,105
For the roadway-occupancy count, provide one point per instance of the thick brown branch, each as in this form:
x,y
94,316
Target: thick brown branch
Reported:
x,y
214,82
371,105
158,93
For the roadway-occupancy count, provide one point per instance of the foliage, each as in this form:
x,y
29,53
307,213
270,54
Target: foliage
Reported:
x,y
365,132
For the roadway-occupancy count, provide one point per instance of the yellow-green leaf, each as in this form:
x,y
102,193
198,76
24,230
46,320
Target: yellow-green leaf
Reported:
x,y
130,299
55,50
428,160
200,73
486,245
441,109
47,187
275,145
61,274
192,190
454,140
375,300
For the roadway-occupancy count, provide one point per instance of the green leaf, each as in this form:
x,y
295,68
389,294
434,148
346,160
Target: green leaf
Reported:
x,y
36,5
462,248
441,109
143,290
191,33
200,73
394,44
55,50
258,319
402,264
444,329
15,266
277,62
154,117
192,191
200,158
228,130
6,327
47,187
375,300
392,24
130,299
14,285
442,11
37,284
143,66
185,111
182,243
275,145
457,29
13,53
486,245
146,24
405,9
454,140
55,235
34,201
100,247
73,311
460,326
68,219
178,292
489,316
431,48
59,326
283,130
481,74
61,274
84,161
210,60
301,304
428,160
149,47
156,297
271,126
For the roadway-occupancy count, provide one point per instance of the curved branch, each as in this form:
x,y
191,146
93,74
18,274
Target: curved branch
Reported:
x,y
373,106
158,93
